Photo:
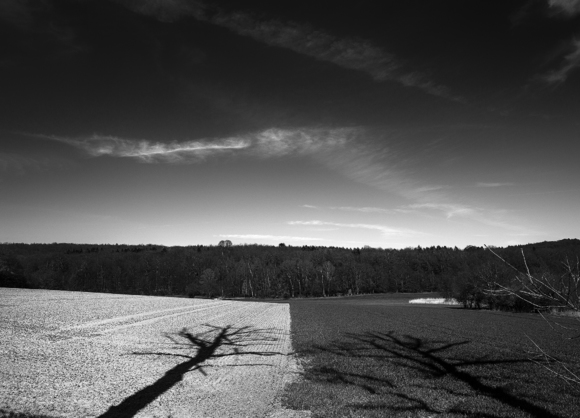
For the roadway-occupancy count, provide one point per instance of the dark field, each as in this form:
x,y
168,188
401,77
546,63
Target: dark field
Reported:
x,y
378,356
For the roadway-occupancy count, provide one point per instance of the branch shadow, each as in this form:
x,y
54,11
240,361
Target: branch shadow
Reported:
x,y
418,368
215,343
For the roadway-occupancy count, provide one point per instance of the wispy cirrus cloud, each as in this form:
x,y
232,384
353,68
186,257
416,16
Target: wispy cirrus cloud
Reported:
x,y
565,7
351,152
354,152
424,189
376,164
268,237
18,164
350,53
484,184
365,209
449,209
384,230
265,144
570,63
149,151
493,218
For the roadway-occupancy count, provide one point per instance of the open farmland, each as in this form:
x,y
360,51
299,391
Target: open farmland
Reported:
x,y
89,354
379,356
103,355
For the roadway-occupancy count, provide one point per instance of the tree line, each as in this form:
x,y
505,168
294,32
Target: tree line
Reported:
x,y
472,275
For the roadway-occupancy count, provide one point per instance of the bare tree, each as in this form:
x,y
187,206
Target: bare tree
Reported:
x,y
547,293
553,297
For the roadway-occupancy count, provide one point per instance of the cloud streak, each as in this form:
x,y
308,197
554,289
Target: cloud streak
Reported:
x,y
17,164
269,143
380,164
352,209
352,152
269,237
449,209
148,151
483,184
350,53
566,7
493,218
571,62
384,230
365,209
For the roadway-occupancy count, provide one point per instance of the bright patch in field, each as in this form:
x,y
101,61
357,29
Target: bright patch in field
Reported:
x,y
83,354
435,301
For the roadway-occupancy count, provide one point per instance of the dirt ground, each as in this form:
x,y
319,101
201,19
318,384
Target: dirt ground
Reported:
x,y
71,354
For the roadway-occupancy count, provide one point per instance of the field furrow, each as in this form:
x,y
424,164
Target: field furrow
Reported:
x,y
148,356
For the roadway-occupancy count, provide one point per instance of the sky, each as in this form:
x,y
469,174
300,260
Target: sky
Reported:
x,y
389,124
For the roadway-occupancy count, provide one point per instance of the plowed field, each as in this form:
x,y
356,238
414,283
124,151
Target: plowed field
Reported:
x,y
86,354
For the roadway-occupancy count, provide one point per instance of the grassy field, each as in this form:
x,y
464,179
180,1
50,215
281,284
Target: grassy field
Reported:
x,y
377,356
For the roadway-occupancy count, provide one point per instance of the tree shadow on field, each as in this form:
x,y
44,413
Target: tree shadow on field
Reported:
x,y
215,343
402,374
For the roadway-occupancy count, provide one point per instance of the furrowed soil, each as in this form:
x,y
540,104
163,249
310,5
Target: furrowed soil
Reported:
x,y
74,354
379,356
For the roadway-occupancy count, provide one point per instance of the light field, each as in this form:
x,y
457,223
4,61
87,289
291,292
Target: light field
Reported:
x,y
435,301
79,354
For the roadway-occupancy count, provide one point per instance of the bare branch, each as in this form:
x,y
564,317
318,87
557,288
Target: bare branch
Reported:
x,y
547,294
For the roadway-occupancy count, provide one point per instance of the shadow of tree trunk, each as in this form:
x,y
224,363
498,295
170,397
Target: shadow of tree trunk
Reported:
x,y
207,347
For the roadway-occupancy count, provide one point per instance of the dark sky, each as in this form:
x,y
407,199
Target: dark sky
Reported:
x,y
388,124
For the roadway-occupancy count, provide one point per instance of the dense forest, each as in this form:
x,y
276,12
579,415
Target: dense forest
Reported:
x,y
470,274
